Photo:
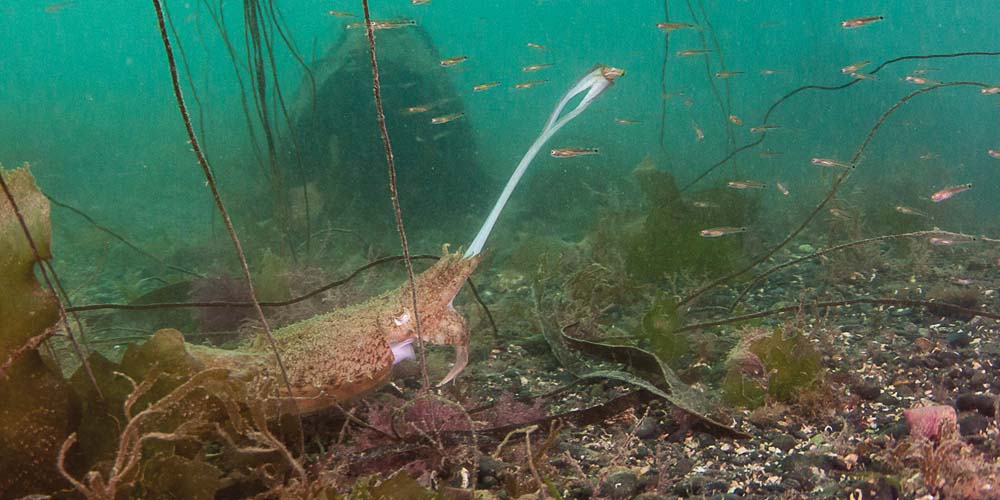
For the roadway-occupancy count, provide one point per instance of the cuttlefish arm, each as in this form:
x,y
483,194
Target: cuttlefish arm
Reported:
x,y
440,323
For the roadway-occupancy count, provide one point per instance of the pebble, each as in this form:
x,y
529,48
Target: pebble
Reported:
x,y
902,311
579,490
959,339
648,429
690,486
867,390
972,424
983,403
784,442
490,470
620,486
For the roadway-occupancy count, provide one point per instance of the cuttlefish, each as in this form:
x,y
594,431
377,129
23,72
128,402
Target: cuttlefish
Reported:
x,y
337,356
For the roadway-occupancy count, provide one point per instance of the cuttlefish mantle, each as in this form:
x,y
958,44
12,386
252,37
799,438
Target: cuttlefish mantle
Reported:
x,y
336,356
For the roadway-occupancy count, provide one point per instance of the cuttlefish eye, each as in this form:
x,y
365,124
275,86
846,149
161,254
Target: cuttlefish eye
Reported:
x,y
402,319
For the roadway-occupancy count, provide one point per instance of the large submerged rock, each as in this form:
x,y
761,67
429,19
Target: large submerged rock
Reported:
x,y
335,128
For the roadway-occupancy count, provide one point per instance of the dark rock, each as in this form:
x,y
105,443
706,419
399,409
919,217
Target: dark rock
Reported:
x,y
716,486
872,489
973,424
649,428
983,403
897,430
706,439
867,389
682,466
490,471
784,442
947,358
579,490
690,486
959,339
620,486
330,139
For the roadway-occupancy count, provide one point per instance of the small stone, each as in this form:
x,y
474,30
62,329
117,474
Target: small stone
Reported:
x,y
620,486
649,428
578,490
902,311
490,470
784,442
973,424
897,430
690,486
867,390
983,403
959,339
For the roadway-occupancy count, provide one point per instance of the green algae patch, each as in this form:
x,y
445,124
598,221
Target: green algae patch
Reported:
x,y
658,329
779,364
670,242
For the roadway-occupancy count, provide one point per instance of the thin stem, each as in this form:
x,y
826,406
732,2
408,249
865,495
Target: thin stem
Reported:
x,y
220,24
722,66
792,93
723,108
839,303
63,318
663,80
120,238
391,163
210,179
308,295
837,248
833,190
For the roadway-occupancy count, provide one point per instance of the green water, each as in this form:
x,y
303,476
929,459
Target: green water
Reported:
x,y
86,97
614,238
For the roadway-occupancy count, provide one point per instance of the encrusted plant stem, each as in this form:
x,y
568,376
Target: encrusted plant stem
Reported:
x,y
781,100
844,246
210,179
837,303
840,179
390,160
663,79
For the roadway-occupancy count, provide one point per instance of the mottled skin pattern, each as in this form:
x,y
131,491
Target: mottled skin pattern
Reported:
x,y
336,356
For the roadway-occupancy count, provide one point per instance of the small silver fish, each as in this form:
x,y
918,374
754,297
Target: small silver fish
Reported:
x,y
716,232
